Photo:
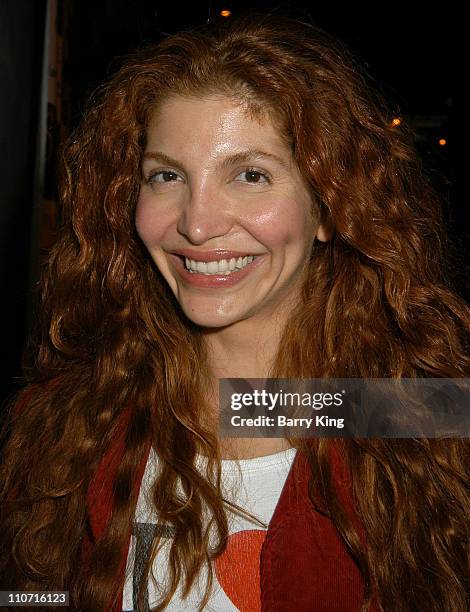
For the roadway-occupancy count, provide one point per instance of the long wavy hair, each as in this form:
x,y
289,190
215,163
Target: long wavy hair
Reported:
x,y
378,301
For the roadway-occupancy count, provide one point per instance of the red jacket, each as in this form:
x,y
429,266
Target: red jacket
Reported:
x,y
304,564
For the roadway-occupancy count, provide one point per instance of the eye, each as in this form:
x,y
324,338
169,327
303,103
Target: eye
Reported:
x,y
161,177
254,176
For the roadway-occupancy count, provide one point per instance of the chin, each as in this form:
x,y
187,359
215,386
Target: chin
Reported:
x,y
211,319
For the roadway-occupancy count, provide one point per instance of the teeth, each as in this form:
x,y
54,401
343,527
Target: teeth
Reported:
x,y
222,266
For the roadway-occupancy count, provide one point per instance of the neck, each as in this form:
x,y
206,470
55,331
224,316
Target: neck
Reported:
x,y
246,349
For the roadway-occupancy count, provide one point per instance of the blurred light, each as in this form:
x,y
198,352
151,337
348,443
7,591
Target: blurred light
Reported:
x,y
225,13
396,121
442,142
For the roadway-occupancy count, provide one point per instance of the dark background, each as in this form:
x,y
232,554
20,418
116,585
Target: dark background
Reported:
x,y
410,56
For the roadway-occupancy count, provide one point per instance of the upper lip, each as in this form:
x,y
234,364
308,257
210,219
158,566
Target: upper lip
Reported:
x,y
214,255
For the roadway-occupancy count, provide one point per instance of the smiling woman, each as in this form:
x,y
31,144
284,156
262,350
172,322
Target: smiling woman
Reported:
x,y
218,210
237,204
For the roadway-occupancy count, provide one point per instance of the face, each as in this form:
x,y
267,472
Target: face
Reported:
x,y
222,196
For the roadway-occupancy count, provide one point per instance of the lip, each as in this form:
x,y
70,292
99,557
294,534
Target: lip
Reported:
x,y
213,255
198,279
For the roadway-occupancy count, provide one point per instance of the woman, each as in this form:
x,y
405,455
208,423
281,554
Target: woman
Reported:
x,y
257,144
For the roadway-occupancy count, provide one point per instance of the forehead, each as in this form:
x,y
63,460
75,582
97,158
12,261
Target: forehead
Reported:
x,y
212,121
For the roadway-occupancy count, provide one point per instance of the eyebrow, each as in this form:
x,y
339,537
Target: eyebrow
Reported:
x,y
230,160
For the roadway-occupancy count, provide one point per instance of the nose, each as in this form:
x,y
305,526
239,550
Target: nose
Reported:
x,y
204,216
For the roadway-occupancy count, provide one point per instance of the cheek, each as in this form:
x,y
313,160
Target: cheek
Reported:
x,y
287,222
299,225
148,223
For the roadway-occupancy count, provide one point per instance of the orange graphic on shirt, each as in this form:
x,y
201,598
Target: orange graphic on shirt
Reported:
x,y
238,569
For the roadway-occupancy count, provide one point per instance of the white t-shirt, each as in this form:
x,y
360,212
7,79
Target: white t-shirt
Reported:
x,y
236,585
